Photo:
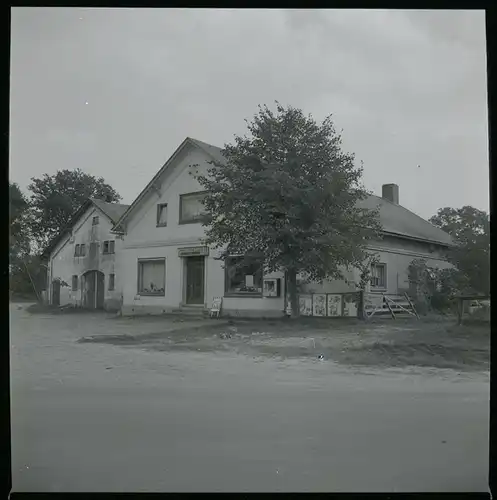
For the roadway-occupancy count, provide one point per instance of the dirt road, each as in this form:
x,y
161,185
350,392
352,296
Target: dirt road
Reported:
x,y
99,417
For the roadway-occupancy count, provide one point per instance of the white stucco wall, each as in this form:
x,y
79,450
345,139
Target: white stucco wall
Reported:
x,y
63,264
398,254
143,239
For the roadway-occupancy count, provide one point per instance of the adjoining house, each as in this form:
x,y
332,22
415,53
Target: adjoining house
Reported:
x,y
82,267
166,267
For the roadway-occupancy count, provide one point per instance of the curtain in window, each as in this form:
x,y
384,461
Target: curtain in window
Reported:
x,y
378,275
162,218
152,278
192,207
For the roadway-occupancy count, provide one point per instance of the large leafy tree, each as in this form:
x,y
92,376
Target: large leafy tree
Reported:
x,y
19,244
54,198
470,229
287,192
24,275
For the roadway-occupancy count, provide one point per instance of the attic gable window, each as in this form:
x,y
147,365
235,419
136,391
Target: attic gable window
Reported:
x,y
191,208
95,221
162,214
82,250
77,250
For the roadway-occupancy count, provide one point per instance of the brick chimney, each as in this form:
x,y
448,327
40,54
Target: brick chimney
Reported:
x,y
390,192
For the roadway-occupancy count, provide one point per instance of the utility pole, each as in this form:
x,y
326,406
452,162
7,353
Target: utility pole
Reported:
x,y
31,279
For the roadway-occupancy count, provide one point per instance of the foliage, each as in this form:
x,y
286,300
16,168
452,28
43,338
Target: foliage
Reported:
x,y
288,193
28,278
19,231
365,270
54,199
435,288
470,229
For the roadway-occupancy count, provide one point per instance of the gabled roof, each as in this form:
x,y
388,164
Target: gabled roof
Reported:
x,y
111,210
399,221
114,211
213,151
395,219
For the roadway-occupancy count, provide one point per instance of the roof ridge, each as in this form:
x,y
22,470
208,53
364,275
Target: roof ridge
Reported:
x,y
397,205
410,211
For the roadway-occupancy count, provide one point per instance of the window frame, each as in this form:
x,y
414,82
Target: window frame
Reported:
x,y
379,288
140,262
227,293
95,220
160,206
77,250
113,281
75,283
82,250
181,220
111,247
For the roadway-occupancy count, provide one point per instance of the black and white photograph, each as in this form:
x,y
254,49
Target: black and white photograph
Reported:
x,y
249,250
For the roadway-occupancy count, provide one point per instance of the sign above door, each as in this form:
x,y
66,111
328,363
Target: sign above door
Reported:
x,y
193,251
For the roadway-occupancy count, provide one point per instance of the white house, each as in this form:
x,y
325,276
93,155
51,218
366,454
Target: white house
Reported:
x,y
82,267
165,266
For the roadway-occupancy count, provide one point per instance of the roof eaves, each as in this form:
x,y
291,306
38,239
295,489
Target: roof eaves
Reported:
x,y
55,241
141,195
416,238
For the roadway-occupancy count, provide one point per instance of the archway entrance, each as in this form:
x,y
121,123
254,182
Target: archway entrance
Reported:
x,y
93,289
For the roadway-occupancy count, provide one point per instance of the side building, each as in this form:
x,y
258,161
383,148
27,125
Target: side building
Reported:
x,y
82,259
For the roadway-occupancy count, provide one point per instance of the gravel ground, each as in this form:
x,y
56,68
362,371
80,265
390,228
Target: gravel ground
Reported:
x,y
432,342
102,417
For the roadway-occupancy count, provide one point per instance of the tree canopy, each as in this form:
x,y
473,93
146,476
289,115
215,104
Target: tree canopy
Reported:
x,y
19,231
287,192
470,229
54,199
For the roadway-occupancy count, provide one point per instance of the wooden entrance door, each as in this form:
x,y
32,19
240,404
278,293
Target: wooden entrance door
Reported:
x,y
100,289
195,280
89,293
56,293
94,290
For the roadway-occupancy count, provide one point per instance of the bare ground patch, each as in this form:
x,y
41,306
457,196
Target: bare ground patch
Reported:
x,y
430,342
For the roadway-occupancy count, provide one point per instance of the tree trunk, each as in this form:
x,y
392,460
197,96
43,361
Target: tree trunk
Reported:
x,y
291,281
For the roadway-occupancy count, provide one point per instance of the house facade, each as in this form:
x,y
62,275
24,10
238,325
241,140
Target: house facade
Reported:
x,y
405,237
165,266
82,259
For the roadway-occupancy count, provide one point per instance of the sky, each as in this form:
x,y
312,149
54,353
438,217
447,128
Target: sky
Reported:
x,y
115,91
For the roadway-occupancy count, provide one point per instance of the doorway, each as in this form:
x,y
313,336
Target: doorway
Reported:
x,y
56,293
93,290
195,271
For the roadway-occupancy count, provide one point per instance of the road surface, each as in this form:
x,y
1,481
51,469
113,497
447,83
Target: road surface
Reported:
x,y
97,417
